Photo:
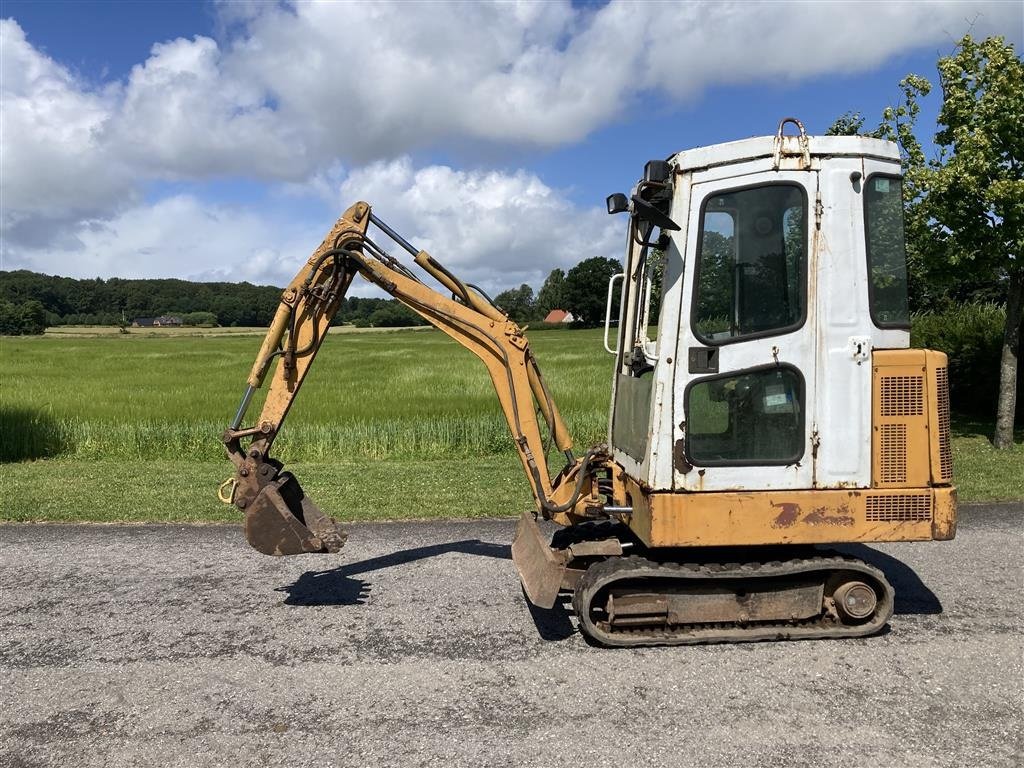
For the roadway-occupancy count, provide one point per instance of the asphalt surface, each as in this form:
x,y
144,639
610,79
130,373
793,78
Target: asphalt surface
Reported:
x,y
180,646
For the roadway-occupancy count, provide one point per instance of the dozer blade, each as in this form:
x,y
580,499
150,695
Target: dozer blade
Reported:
x,y
540,567
281,520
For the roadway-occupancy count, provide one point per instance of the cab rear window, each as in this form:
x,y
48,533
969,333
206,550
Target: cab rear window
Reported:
x,y
887,255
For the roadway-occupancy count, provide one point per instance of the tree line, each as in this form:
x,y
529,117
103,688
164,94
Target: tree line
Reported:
x,y
30,302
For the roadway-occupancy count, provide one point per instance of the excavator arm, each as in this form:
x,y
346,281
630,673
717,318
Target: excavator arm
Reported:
x,y
279,518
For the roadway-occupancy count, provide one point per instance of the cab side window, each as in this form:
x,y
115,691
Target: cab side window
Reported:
x,y
752,263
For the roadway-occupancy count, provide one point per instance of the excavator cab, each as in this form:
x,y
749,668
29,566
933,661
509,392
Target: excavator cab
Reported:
x,y
755,334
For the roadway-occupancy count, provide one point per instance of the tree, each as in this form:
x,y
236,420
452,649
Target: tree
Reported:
x,y
10,319
969,200
206,319
32,317
586,289
965,207
976,187
517,303
394,315
552,294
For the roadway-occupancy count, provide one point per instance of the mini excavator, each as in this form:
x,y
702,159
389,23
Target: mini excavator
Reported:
x,y
772,405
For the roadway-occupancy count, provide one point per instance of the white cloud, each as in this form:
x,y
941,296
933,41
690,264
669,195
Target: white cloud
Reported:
x,y
53,159
496,230
291,93
178,236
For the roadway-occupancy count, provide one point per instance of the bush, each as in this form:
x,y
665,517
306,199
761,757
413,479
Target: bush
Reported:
x,y
26,318
199,319
972,336
393,315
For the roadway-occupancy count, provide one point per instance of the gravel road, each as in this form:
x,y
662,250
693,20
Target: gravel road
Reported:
x,y
180,646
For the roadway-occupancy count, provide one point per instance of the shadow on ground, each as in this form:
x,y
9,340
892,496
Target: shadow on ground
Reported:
x,y
338,587
912,595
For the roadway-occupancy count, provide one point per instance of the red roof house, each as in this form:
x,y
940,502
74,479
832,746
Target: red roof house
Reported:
x,y
559,316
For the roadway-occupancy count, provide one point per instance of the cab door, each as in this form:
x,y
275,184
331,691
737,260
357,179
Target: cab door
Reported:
x,y
742,403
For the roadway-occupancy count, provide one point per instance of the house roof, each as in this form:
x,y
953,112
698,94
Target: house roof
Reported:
x,y
556,316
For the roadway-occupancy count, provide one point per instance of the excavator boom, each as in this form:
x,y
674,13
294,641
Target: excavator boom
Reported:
x,y
279,518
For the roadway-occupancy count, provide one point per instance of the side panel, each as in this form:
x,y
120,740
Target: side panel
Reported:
x,y
910,442
792,517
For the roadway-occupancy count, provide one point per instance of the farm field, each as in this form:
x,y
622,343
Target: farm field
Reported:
x,y
391,424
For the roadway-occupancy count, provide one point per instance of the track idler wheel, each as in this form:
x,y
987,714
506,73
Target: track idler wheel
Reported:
x,y
855,601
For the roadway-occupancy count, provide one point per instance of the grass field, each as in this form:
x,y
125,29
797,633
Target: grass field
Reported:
x,y
390,425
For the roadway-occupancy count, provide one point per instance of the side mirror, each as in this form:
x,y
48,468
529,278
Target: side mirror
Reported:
x,y
617,203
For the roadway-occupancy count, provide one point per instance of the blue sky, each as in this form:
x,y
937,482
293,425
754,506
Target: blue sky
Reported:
x,y
220,141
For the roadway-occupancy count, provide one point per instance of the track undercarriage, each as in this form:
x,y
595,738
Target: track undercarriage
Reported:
x,y
624,595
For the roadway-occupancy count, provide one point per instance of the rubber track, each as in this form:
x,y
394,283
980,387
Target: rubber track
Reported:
x,y
607,572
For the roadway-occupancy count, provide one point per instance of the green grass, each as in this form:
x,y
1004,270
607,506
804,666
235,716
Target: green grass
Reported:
x,y
175,491
406,394
981,472
390,425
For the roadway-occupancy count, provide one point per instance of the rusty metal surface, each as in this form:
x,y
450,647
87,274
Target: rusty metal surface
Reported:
x,y
707,603
821,516
281,520
540,568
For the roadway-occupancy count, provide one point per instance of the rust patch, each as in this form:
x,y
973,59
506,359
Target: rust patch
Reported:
x,y
828,516
791,515
787,517
943,529
679,460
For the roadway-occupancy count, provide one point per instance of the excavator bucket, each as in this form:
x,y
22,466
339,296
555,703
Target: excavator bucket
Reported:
x,y
282,520
540,568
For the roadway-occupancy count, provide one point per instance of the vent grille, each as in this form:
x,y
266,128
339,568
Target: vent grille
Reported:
x,y
915,507
902,395
893,453
945,451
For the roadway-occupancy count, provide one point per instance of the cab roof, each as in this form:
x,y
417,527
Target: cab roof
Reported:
x,y
764,146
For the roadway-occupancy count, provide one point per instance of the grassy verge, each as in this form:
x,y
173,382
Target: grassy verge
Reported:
x,y
70,490
125,428
980,472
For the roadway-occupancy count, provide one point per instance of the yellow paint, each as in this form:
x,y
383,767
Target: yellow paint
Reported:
x,y
707,519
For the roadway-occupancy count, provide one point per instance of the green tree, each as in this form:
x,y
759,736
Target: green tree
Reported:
x,y
965,207
586,289
32,317
517,303
207,319
394,315
10,319
551,295
976,187
970,198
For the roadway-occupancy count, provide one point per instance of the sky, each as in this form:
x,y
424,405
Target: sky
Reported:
x,y
221,140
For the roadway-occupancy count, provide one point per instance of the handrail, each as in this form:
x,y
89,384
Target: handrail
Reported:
x,y
608,312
